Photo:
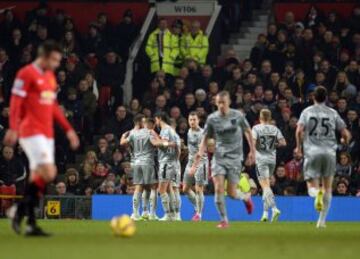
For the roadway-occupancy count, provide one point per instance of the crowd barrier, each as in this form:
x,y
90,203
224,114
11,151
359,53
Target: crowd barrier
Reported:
x,y
104,207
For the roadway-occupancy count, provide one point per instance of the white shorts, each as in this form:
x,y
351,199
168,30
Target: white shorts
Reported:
x,y
39,150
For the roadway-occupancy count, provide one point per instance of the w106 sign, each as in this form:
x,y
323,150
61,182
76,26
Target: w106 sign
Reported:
x,y
185,8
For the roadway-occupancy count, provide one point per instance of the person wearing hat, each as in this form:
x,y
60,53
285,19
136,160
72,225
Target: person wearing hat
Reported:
x,y
195,44
126,33
162,48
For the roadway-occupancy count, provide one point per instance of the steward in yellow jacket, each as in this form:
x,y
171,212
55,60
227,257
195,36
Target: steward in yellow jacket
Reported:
x,y
162,49
195,45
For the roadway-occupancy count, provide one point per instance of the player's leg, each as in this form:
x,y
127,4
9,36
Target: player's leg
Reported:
x,y
176,189
327,197
312,168
138,181
235,193
153,202
145,197
40,152
328,172
200,181
219,185
187,187
164,181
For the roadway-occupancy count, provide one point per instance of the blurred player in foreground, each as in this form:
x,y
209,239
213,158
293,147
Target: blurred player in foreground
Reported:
x,y
143,142
33,110
227,126
267,138
316,136
194,137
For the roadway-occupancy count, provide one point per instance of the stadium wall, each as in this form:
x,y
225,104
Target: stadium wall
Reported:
x,y
104,207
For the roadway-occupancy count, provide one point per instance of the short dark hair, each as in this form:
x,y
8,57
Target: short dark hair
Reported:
x,y
48,47
162,116
320,94
138,118
193,113
150,120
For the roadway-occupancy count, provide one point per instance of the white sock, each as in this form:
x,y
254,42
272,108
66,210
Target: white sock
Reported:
x,y
327,203
145,201
136,203
177,201
221,206
172,200
200,202
242,195
313,192
270,198
165,202
152,200
192,198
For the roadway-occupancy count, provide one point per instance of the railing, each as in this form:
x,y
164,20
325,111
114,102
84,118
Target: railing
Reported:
x,y
65,207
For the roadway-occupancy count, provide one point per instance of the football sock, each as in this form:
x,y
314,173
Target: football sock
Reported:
x,y
145,201
165,202
172,200
152,200
177,200
241,195
33,191
312,191
192,198
136,202
200,202
220,206
327,203
269,198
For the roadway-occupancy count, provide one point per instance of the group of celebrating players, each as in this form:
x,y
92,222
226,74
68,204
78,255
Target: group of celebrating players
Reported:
x,y
34,109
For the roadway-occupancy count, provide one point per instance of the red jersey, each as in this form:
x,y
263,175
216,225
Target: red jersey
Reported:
x,y
33,105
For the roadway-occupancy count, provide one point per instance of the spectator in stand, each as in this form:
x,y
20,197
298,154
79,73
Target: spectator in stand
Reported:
x,y
94,43
103,151
120,123
195,44
126,32
11,171
236,79
343,86
69,44
282,182
74,109
7,74
344,166
134,107
341,189
72,182
110,73
293,168
88,103
61,189
162,49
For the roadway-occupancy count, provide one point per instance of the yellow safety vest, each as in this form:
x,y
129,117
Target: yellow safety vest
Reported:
x,y
170,51
195,48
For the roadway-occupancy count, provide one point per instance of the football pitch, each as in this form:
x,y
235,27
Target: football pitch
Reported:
x,y
76,239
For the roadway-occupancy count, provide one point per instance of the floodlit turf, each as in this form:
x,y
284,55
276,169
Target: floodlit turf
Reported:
x,y
185,240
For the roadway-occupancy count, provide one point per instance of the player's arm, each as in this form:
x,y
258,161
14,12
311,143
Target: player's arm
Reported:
x,y
345,136
281,142
60,119
18,95
199,155
250,141
124,140
299,138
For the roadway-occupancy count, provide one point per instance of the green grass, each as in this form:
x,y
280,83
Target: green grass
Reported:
x,y
185,240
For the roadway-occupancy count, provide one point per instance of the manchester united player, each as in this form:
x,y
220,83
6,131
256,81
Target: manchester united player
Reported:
x,y
33,110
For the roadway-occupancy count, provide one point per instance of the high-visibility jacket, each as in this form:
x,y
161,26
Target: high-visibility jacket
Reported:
x,y
169,50
196,48
179,61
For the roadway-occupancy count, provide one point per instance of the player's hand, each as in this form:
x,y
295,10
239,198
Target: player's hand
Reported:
x,y
250,159
73,139
10,138
298,152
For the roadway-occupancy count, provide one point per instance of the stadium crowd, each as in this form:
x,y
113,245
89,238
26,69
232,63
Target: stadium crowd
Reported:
x,y
285,65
